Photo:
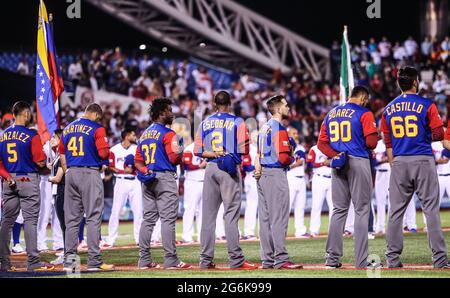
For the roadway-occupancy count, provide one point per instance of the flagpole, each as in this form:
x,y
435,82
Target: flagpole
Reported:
x,y
58,114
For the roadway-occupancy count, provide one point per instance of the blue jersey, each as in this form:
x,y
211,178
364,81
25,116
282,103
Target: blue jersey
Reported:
x,y
81,140
273,140
407,121
154,145
222,132
20,149
346,127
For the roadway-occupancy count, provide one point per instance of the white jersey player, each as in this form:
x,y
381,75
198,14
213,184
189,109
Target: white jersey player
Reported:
x,y
297,186
320,186
126,187
382,176
251,191
194,174
47,210
443,169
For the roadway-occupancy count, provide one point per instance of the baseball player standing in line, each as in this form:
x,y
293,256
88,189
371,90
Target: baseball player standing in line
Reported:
x,y
194,172
126,187
409,123
297,185
348,133
22,154
250,189
275,155
222,139
320,187
47,208
83,148
159,151
383,172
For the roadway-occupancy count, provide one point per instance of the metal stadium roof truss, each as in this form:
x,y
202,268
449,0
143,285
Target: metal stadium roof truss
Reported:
x,y
222,32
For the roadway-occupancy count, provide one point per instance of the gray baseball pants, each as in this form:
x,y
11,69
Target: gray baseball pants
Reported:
x,y
220,187
411,174
83,193
24,196
160,200
352,183
273,212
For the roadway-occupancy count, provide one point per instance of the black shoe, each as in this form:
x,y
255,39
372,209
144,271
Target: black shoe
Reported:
x,y
209,266
336,266
445,267
400,265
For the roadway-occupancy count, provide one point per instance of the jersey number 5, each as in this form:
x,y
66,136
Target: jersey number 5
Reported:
x,y
401,126
149,157
340,131
12,153
76,149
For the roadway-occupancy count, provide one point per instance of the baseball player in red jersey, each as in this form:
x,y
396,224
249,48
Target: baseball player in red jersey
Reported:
x,y
22,155
348,133
158,153
275,155
84,149
409,124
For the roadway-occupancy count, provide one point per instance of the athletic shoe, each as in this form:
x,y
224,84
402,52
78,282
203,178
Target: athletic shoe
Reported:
x,y
291,266
446,267
400,265
181,266
17,249
58,261
43,267
209,266
371,236
314,235
155,243
249,238
102,267
303,236
347,234
104,245
265,266
247,266
59,253
43,249
150,266
82,246
331,267
183,242
223,238
413,231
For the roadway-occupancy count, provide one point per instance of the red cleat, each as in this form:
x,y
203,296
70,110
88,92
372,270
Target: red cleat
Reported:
x,y
291,266
247,266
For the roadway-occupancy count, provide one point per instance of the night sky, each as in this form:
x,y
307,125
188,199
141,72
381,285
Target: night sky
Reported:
x,y
319,20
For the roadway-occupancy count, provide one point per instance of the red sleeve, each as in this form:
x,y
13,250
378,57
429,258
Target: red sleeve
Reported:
x,y
447,132
386,133
372,141
187,161
434,120
61,148
437,134
282,147
139,159
243,139
323,136
326,149
112,159
246,160
101,142
198,146
172,148
368,124
3,172
311,156
36,149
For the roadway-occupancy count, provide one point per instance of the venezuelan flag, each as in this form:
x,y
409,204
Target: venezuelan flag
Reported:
x,y
49,83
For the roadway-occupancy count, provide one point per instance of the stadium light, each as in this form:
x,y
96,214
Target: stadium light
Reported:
x,y
164,49
202,44
142,47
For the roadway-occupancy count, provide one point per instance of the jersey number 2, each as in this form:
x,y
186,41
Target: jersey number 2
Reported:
x,y
340,131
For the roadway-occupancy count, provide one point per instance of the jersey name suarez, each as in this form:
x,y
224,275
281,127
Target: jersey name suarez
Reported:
x,y
273,139
223,132
79,144
409,119
152,148
15,149
346,128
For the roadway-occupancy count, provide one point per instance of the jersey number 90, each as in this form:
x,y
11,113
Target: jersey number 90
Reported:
x,y
340,131
404,126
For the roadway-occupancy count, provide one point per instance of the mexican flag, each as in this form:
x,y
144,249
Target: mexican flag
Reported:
x,y
347,82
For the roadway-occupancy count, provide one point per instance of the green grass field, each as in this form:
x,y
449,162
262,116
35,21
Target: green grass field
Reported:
x,y
306,251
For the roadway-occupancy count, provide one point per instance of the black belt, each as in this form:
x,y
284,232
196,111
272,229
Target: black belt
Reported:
x,y
126,178
444,175
382,171
325,176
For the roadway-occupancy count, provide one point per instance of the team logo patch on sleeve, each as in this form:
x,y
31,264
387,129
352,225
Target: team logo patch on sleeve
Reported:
x,y
285,143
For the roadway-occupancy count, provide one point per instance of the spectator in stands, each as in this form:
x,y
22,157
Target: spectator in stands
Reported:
x,y
22,68
426,48
411,46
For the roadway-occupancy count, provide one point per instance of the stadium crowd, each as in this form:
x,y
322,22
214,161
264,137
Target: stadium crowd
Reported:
x,y
375,65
